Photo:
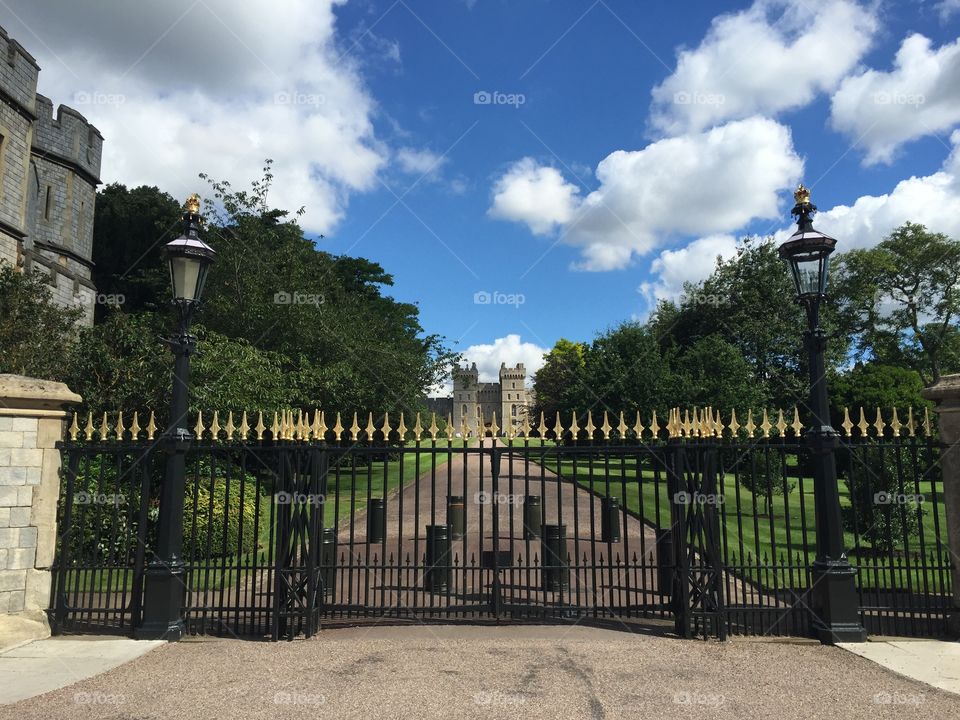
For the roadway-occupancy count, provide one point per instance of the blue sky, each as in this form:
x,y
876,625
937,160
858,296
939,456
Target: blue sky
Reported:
x,y
624,144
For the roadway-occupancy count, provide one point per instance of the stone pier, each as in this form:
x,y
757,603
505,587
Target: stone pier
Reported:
x,y
32,416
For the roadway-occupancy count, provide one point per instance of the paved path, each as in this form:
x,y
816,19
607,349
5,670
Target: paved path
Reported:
x,y
934,662
423,502
493,672
45,665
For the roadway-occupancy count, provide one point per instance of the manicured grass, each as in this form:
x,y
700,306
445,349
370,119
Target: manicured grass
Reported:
x,y
757,536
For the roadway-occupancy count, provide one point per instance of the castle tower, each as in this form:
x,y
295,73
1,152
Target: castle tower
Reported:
x,y
49,172
466,386
513,395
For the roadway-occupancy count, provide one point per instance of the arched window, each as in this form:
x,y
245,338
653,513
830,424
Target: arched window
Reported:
x,y
513,410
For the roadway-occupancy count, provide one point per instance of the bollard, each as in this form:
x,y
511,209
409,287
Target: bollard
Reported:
x,y
556,567
532,517
438,570
665,562
610,519
376,520
328,561
456,516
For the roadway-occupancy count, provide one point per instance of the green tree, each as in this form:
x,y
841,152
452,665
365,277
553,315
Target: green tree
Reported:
x,y
714,372
900,300
557,384
876,385
35,334
625,370
129,231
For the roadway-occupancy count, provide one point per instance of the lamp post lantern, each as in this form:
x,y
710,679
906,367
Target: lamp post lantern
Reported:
x,y
189,259
835,607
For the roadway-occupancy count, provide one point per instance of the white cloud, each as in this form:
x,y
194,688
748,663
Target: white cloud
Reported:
x,y
773,56
415,161
931,200
920,96
689,264
510,350
698,184
534,194
214,87
947,9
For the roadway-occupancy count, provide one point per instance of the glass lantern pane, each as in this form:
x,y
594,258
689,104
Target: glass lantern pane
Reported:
x,y
185,272
808,274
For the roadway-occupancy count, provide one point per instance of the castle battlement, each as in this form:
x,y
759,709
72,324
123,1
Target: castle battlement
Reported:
x,y
49,172
18,74
472,400
68,135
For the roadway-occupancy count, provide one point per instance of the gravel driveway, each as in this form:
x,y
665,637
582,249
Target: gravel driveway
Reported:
x,y
420,671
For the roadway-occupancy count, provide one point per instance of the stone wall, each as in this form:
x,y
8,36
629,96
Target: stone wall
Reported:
x,y
32,416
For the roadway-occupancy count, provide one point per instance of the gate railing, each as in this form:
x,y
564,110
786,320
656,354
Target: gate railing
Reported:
x,y
704,523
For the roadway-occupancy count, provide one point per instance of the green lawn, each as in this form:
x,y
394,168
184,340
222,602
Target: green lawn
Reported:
x,y
756,535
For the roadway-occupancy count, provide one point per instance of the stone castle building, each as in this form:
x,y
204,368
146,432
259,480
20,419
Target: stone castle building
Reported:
x,y
472,399
49,172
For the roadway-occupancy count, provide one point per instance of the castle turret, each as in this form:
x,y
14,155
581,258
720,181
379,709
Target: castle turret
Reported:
x,y
513,394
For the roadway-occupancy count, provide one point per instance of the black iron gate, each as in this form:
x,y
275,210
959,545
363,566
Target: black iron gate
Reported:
x,y
705,535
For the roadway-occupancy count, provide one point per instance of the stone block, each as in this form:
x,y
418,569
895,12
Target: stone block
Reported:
x,y
49,432
11,439
27,537
29,440
21,559
9,538
8,496
13,476
15,603
25,495
24,424
12,580
18,516
38,590
4,456
3,559
26,457
32,476
6,423
4,517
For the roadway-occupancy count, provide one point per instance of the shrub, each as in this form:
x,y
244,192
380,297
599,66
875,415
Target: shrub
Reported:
x,y
760,473
879,512
216,531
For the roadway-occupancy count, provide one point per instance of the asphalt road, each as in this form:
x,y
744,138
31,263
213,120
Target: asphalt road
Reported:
x,y
493,672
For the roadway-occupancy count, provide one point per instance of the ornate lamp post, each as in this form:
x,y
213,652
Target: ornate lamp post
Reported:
x,y
835,606
189,259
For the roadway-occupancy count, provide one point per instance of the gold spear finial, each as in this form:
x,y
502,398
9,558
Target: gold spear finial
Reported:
x,y
192,205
